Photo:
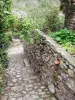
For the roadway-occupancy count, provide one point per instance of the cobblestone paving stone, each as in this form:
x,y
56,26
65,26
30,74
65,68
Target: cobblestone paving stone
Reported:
x,y
22,83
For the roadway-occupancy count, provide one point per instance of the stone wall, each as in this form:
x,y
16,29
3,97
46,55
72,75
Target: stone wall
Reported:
x,y
54,66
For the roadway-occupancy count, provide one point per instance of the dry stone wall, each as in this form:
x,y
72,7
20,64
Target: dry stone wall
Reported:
x,y
54,66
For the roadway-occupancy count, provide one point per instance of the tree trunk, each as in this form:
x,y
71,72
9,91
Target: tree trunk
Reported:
x,y
68,7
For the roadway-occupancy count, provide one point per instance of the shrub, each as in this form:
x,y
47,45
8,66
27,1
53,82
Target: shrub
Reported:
x,y
5,10
3,58
25,29
52,21
10,21
37,12
66,38
4,43
17,24
1,78
5,24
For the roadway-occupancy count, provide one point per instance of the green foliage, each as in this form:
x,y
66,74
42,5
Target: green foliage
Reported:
x,y
4,41
26,26
37,11
5,11
24,29
17,24
66,38
10,22
36,35
43,15
53,21
1,78
69,47
27,32
3,58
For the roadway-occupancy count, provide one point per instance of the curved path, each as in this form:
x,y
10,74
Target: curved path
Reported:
x,y
22,83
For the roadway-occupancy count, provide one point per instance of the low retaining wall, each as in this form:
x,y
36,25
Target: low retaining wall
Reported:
x,y
54,66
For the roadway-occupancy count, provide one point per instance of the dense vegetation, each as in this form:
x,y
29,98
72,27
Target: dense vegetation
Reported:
x,y
5,11
42,15
45,16
39,11
66,38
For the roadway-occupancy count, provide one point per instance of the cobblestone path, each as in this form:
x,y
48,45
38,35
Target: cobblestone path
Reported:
x,y
22,83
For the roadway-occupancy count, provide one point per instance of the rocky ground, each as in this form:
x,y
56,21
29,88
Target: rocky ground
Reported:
x,y
22,83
